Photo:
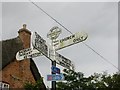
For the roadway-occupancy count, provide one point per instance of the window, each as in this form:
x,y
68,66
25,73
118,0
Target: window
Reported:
x,y
4,86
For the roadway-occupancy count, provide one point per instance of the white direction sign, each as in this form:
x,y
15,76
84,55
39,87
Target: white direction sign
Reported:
x,y
32,53
40,44
70,40
63,61
27,53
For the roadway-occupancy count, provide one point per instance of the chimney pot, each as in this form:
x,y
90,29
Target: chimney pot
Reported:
x,y
24,29
24,26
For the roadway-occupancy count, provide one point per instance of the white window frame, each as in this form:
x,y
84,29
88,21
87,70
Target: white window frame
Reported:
x,y
4,85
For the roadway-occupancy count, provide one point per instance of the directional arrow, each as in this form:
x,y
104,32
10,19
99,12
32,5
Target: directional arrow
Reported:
x,y
27,53
54,77
70,40
32,53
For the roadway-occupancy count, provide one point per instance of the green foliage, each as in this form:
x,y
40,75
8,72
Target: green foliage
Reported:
x,y
31,86
77,81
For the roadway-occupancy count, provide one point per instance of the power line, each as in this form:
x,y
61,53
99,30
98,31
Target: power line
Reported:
x,y
100,55
51,17
72,34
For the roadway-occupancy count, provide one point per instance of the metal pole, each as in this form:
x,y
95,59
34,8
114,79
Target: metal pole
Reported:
x,y
53,64
53,82
53,34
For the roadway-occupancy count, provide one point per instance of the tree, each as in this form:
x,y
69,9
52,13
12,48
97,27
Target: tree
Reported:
x,y
74,81
77,81
112,81
36,86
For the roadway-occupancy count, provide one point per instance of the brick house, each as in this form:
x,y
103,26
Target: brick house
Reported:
x,y
16,73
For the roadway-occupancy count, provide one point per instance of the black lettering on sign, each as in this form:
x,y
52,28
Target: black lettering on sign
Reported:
x,y
77,40
67,66
73,36
56,41
25,57
65,60
24,52
20,53
34,55
39,38
43,49
64,64
56,44
67,38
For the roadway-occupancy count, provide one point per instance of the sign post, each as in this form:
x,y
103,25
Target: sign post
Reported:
x,y
53,82
42,48
49,51
53,64
53,35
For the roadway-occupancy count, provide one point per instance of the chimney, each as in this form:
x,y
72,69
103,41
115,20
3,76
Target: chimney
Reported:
x,y
25,36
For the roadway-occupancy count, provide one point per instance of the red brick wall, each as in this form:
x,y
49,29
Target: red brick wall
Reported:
x,y
18,72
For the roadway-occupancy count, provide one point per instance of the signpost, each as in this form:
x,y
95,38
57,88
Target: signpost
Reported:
x,y
53,35
42,48
70,40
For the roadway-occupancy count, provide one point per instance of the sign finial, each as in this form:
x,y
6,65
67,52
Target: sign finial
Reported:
x,y
54,33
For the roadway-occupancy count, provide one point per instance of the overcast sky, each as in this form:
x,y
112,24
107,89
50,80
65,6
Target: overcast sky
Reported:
x,y
98,19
